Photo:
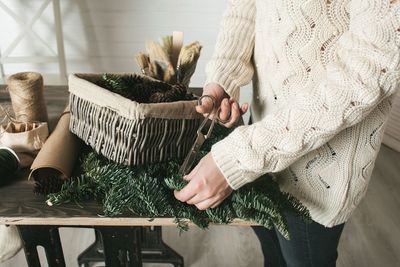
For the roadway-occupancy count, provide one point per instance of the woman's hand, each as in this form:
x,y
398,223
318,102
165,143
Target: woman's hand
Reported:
x,y
230,112
207,186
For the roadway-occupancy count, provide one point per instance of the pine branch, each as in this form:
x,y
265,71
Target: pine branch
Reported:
x,y
148,191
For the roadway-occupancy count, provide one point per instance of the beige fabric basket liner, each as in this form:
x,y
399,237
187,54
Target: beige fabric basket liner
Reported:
x,y
83,86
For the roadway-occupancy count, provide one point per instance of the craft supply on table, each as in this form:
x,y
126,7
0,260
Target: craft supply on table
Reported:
x,y
187,62
9,164
26,92
127,131
56,160
148,191
170,61
26,139
136,119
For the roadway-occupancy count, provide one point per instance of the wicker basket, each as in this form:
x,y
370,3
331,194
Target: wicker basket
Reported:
x,y
128,132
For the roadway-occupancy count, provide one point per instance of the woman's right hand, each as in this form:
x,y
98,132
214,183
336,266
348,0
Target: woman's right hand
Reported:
x,y
230,112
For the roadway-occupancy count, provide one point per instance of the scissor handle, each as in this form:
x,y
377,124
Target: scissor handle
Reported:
x,y
213,100
214,111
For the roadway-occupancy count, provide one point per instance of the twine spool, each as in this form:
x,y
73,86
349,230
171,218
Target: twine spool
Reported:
x,y
26,92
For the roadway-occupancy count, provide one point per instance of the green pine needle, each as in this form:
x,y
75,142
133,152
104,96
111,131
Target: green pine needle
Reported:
x,y
148,191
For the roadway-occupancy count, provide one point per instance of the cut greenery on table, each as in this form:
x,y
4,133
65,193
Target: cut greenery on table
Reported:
x,y
147,191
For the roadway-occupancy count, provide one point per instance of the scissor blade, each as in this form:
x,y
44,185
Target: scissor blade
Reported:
x,y
191,156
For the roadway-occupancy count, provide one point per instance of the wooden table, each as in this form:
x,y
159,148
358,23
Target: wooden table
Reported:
x,y
126,241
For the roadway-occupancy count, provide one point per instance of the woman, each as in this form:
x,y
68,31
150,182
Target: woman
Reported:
x,y
324,75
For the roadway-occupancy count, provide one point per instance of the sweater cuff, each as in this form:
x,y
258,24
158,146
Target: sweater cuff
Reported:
x,y
227,82
229,166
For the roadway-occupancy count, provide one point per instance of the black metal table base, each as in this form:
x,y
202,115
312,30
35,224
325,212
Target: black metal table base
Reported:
x,y
121,245
46,236
153,249
115,246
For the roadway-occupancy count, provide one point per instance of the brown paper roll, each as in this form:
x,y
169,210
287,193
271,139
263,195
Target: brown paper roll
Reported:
x,y
56,160
26,92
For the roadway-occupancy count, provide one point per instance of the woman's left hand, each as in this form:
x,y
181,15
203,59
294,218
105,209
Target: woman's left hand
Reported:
x,y
207,186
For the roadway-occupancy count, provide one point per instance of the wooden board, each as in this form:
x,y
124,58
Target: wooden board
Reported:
x,y
20,206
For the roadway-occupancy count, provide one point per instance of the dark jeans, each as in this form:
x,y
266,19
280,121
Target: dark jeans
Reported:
x,y
311,244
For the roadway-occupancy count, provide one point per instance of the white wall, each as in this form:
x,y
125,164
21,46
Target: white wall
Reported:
x,y
104,36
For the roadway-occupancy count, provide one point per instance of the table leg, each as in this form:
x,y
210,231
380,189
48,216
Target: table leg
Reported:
x,y
121,245
46,236
154,250
94,253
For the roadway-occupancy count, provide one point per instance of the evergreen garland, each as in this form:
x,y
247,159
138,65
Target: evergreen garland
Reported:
x,y
148,191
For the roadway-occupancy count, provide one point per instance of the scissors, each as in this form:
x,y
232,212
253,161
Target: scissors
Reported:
x,y
201,137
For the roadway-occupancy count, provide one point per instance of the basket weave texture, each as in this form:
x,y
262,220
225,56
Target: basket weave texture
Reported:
x,y
126,131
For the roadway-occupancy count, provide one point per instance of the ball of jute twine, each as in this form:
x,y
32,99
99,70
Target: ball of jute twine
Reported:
x,y
26,92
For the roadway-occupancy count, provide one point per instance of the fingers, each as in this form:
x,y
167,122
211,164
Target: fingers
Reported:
x,y
188,192
212,202
193,172
244,108
206,106
207,185
205,200
219,201
229,113
205,204
235,115
193,194
191,189
225,112
216,204
197,199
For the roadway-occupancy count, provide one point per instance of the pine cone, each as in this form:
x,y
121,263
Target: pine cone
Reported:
x,y
177,93
144,90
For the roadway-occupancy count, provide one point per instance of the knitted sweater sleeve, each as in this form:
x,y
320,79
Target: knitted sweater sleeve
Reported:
x,y
231,65
366,71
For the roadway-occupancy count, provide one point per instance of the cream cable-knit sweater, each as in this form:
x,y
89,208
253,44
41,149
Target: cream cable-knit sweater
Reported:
x,y
324,72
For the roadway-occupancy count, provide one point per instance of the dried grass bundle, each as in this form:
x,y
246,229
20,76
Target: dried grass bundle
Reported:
x,y
162,63
187,62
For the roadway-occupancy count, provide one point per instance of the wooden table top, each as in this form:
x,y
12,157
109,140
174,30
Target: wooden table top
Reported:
x,y
20,206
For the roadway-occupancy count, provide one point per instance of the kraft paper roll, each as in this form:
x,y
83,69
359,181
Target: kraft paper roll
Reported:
x,y
56,160
26,93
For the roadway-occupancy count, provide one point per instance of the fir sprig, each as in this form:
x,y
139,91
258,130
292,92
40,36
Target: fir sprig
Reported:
x,y
148,191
